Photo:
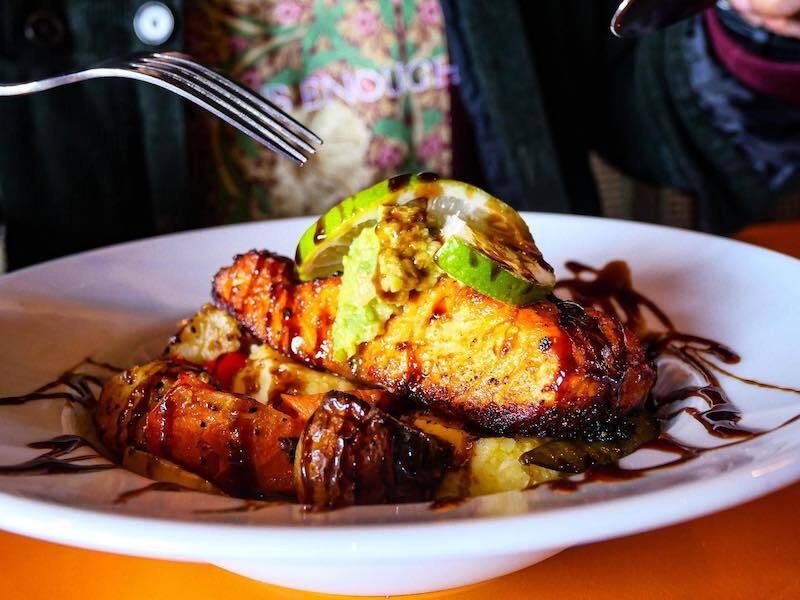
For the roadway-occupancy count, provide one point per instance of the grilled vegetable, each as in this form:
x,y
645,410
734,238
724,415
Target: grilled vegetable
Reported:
x,y
353,453
575,456
267,375
173,411
494,266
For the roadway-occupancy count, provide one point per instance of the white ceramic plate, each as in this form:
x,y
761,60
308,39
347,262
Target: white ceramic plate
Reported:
x,y
121,303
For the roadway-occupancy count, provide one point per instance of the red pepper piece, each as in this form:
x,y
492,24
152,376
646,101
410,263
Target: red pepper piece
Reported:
x,y
225,367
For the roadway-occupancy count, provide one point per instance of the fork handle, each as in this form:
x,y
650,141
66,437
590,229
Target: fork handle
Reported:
x,y
31,87
42,85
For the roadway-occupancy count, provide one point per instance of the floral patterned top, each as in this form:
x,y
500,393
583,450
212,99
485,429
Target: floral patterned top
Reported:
x,y
371,77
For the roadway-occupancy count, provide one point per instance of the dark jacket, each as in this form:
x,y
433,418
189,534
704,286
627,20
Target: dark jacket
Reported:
x,y
543,82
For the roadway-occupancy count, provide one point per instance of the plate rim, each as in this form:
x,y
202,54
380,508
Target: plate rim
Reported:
x,y
340,538
527,215
503,532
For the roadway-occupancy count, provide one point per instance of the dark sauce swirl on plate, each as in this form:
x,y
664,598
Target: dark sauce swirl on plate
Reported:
x,y
608,288
78,387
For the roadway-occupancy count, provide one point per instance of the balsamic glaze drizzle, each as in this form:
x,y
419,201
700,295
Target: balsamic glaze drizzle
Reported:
x,y
156,486
246,506
77,387
81,388
52,463
610,289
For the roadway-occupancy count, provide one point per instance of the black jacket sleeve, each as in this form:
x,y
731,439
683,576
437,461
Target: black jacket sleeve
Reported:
x,y
91,163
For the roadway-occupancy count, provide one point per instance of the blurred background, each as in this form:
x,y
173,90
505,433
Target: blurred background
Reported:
x,y
696,126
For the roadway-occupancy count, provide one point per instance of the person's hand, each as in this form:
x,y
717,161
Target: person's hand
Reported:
x,y
781,17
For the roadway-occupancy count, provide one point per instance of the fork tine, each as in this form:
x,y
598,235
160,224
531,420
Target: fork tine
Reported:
x,y
251,96
265,128
227,92
218,106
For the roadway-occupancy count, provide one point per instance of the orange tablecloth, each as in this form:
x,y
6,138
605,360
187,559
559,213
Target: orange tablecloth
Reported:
x,y
752,551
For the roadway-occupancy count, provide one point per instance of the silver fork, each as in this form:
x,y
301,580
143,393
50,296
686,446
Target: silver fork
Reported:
x,y
233,103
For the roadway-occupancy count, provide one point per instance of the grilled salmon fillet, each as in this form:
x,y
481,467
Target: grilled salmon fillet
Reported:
x,y
549,369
